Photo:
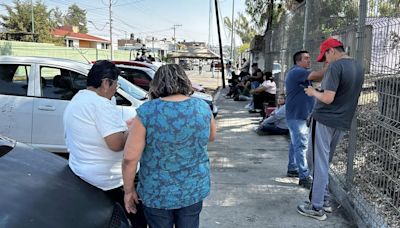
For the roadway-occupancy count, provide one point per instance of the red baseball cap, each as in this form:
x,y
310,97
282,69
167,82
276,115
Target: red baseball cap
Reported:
x,y
328,43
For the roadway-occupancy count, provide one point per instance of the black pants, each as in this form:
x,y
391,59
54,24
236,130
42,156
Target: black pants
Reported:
x,y
137,220
262,97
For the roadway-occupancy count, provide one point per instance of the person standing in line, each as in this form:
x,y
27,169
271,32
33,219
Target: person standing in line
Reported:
x,y
212,68
298,108
331,117
95,135
200,66
169,136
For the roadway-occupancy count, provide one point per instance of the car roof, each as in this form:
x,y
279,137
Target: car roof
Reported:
x,y
38,189
72,64
136,63
135,67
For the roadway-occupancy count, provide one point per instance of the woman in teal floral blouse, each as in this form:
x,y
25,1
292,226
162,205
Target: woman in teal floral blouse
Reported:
x,y
169,136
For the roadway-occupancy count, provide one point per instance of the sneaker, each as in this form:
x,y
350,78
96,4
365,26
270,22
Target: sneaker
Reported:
x,y
308,210
292,173
306,182
327,207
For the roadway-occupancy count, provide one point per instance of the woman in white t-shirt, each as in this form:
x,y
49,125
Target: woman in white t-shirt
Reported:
x,y
266,92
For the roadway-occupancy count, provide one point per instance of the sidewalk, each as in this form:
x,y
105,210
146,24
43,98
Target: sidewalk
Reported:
x,y
249,183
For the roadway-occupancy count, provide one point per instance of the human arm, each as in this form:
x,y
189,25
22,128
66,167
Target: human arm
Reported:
x,y
326,96
259,89
133,151
213,130
277,115
116,141
319,74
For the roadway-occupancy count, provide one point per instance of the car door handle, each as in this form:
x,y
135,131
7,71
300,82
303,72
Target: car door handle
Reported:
x,y
47,108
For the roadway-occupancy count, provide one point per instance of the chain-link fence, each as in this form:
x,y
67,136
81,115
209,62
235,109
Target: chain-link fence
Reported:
x,y
367,162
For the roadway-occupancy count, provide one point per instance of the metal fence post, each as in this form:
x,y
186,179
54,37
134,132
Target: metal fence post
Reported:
x,y
353,131
305,32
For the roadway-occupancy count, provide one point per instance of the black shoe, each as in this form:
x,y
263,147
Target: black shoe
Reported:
x,y
254,111
306,182
293,173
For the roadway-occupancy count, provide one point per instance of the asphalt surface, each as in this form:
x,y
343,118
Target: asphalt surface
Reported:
x,y
249,183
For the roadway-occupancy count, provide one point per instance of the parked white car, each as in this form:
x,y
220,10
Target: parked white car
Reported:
x,y
34,92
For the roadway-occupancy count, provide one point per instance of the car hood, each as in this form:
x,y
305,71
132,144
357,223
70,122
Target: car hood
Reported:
x,y
38,189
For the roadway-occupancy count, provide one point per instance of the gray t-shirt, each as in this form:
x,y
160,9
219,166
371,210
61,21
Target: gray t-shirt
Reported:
x,y
345,77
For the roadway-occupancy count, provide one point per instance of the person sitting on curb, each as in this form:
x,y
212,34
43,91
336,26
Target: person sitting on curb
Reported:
x,y
264,93
275,124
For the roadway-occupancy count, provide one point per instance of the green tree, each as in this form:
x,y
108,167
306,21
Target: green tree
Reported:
x,y
57,17
259,10
19,20
76,17
243,28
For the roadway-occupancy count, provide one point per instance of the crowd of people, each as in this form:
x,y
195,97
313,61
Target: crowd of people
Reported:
x,y
315,119
170,133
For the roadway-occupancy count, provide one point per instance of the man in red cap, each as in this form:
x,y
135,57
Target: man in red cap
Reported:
x,y
332,115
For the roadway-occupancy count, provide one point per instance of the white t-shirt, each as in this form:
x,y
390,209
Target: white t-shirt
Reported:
x,y
88,119
270,86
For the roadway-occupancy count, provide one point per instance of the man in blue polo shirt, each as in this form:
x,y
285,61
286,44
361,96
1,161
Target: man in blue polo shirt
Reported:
x,y
298,108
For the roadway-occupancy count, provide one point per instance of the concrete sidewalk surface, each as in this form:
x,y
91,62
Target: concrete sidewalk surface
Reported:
x,y
249,185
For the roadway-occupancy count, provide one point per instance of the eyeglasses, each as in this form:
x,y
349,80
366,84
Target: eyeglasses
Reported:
x,y
112,82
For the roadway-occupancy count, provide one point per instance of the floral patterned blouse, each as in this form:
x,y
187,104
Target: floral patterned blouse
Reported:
x,y
174,167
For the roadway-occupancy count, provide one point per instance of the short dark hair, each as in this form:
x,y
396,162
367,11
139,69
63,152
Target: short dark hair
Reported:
x,y
268,76
170,79
297,56
340,49
100,70
254,65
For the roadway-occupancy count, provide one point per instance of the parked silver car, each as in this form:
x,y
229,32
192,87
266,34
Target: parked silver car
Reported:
x,y
34,92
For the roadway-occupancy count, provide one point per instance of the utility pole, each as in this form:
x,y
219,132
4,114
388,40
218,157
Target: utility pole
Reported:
x,y
232,40
111,40
32,17
174,28
220,46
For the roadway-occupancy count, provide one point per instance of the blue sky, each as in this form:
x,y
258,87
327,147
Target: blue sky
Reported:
x,y
153,17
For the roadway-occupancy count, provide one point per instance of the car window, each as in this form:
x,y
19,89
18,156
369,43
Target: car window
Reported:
x,y
120,100
132,74
14,79
60,84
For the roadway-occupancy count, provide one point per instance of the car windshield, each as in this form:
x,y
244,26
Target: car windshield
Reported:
x,y
276,66
150,72
132,90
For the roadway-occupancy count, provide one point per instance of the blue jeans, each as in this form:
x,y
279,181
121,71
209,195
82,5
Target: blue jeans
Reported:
x,y
273,130
298,131
254,84
182,217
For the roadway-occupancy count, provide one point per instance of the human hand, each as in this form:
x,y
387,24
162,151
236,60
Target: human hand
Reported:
x,y
310,91
130,200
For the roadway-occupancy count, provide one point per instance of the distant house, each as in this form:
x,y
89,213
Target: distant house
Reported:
x,y
73,38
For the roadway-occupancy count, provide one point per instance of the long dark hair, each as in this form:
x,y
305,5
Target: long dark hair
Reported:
x,y
170,79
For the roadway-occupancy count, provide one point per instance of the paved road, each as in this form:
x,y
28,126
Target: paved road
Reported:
x,y
249,186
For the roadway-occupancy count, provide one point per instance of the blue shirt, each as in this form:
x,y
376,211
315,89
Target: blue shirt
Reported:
x,y
298,104
174,167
